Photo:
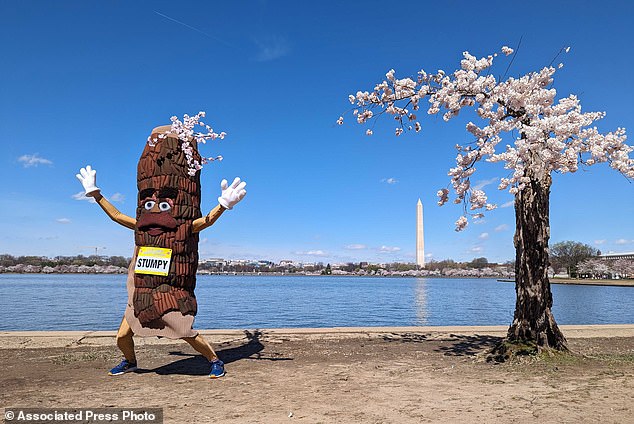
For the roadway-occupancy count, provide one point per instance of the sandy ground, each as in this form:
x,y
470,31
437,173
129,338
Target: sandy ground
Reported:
x,y
376,375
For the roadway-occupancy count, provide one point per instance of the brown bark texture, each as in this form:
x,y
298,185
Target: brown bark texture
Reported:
x,y
160,166
533,321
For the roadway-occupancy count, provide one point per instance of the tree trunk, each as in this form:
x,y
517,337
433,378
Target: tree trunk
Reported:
x,y
533,322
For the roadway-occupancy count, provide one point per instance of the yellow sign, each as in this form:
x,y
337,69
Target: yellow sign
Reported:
x,y
153,260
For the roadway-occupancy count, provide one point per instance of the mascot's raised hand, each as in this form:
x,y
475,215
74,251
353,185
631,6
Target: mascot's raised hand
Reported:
x,y
232,194
88,178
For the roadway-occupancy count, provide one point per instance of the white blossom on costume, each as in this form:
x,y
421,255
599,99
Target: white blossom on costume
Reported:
x,y
184,130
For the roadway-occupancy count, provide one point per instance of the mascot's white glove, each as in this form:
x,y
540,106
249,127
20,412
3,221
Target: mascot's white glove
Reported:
x,y
232,194
88,178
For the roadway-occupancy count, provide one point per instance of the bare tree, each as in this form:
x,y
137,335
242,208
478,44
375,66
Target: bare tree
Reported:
x,y
567,254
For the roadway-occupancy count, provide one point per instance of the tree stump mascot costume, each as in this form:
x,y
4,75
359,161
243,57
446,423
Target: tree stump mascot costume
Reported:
x,y
162,275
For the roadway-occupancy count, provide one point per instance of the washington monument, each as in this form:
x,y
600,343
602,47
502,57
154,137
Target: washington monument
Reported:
x,y
420,237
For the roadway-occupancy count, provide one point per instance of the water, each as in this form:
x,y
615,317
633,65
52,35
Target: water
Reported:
x,y
97,302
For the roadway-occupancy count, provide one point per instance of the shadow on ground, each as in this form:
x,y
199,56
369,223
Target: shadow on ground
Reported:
x,y
460,345
405,337
452,345
194,364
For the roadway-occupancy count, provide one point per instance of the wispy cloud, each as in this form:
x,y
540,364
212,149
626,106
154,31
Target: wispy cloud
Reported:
x,y
476,249
33,160
507,204
503,227
312,253
483,236
63,220
271,48
623,241
117,197
600,241
389,180
355,247
82,196
480,184
389,249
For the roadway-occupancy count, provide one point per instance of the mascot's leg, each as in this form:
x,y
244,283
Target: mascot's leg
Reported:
x,y
202,346
125,342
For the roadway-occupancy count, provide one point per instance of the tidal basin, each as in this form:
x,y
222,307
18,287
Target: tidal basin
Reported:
x,y
97,302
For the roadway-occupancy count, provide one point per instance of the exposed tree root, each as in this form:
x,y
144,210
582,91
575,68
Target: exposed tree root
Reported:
x,y
510,350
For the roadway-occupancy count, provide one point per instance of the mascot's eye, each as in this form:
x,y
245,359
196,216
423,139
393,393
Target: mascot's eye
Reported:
x,y
149,204
164,206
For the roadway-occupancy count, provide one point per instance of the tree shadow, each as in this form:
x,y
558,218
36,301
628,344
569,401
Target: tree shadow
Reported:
x,y
456,344
196,364
461,345
405,337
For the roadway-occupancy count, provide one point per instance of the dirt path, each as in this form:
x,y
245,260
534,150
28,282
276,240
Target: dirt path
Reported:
x,y
389,377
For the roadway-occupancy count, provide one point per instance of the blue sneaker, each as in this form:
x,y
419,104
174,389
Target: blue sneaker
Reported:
x,y
217,369
123,367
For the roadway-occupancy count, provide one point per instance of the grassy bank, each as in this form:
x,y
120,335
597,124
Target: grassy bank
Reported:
x,y
591,282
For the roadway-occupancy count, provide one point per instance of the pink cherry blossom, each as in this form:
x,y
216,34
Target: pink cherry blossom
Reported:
x,y
545,134
461,223
507,50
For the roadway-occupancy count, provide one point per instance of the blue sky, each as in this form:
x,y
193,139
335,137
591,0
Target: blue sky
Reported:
x,y
84,83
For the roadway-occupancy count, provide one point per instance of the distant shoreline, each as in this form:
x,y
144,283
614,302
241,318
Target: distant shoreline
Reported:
x,y
585,282
591,282
272,274
568,281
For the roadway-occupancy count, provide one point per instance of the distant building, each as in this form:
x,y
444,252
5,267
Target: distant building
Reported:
x,y
218,262
614,256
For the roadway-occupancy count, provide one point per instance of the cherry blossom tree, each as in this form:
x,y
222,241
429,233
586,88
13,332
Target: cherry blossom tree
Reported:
x,y
624,268
602,268
594,267
544,135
